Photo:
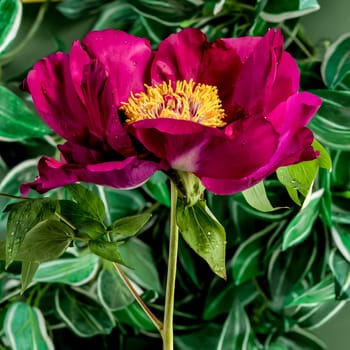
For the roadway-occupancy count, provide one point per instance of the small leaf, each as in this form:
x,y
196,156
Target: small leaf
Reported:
x,y
23,172
299,228
24,328
299,339
121,203
72,271
107,250
203,233
88,201
87,226
298,178
134,316
287,268
157,187
17,121
22,218
256,196
129,226
111,290
324,159
319,293
10,21
45,241
341,239
247,262
331,124
336,63
316,315
143,270
82,314
236,331
341,272
27,272
279,11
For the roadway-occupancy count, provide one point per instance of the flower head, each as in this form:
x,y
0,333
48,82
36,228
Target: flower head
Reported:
x,y
228,112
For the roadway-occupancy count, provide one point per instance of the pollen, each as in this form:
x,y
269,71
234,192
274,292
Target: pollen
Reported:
x,y
198,103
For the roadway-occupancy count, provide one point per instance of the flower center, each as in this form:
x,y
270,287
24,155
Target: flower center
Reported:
x,y
197,103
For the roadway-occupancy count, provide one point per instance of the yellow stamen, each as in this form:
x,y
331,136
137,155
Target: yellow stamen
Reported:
x,y
198,103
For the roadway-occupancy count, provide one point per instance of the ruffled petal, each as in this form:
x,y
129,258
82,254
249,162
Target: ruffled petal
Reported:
x,y
125,57
188,55
125,174
50,84
258,74
206,151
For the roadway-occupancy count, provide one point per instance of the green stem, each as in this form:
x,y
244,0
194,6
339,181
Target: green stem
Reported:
x,y
168,332
8,57
142,304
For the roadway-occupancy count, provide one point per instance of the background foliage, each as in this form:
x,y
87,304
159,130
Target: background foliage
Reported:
x,y
288,260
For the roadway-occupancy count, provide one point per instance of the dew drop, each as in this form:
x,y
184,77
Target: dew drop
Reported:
x,y
12,233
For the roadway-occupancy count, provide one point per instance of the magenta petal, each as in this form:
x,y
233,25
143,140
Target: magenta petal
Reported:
x,y
258,73
54,96
125,57
206,151
188,55
286,82
125,174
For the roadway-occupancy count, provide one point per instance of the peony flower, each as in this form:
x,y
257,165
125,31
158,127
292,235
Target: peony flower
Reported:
x,y
228,112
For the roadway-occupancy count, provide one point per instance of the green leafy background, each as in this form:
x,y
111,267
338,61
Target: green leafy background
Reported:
x,y
288,239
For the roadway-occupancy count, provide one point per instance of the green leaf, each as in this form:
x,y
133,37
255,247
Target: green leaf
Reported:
x,y
134,316
82,314
336,63
10,21
281,10
316,315
74,9
111,290
121,203
45,241
203,233
299,339
72,271
324,159
87,226
300,227
21,173
256,196
221,296
236,331
22,218
88,201
17,121
204,338
248,260
143,270
107,250
341,272
319,293
27,272
287,268
24,328
157,187
298,178
342,240
129,226
331,124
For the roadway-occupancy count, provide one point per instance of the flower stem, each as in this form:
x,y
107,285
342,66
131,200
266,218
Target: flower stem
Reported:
x,y
142,304
168,333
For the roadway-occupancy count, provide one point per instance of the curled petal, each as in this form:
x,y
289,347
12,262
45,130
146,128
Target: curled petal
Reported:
x,y
206,151
125,57
50,84
125,174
